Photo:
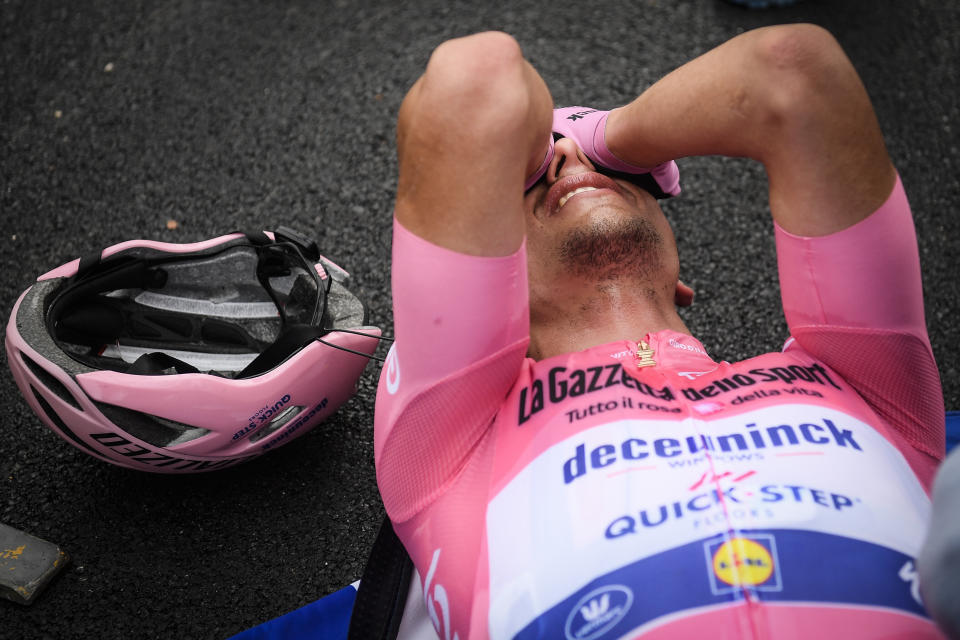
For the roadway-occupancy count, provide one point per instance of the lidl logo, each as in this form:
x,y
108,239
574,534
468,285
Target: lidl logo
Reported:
x,y
598,612
742,561
745,562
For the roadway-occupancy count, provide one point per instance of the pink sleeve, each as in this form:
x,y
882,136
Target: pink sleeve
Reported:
x,y
854,300
462,328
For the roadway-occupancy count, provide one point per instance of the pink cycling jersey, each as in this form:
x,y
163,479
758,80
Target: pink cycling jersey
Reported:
x,y
640,488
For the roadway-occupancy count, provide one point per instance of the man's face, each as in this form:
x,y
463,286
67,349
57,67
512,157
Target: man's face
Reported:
x,y
587,231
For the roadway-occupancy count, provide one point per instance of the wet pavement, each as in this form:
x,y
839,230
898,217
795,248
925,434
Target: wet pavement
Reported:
x,y
178,121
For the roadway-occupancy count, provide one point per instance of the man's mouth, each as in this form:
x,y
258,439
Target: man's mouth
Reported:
x,y
566,188
564,198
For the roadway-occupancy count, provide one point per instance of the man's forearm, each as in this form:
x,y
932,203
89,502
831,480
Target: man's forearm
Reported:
x,y
469,132
716,104
785,96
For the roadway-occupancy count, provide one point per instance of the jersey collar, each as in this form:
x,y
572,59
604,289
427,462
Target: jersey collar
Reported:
x,y
670,350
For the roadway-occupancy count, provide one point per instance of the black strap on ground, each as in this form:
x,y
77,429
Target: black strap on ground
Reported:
x,y
378,608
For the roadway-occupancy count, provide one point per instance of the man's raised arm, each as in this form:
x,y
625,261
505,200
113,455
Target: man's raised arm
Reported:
x,y
786,96
469,132
846,247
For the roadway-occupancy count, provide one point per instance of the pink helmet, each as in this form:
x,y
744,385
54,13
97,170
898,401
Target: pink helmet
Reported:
x,y
177,358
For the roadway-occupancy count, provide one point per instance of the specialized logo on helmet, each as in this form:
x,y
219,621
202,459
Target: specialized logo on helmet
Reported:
x,y
392,370
598,612
117,444
743,562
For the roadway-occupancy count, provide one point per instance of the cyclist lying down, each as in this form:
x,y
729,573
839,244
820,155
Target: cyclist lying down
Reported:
x,y
557,452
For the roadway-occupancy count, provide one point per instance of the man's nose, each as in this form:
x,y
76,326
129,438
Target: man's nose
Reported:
x,y
568,159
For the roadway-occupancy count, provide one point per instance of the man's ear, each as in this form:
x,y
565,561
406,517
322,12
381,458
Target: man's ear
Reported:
x,y
683,297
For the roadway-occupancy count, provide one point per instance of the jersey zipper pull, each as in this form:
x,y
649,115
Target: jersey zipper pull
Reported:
x,y
645,355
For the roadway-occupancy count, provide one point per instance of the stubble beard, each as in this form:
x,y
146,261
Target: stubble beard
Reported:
x,y
613,249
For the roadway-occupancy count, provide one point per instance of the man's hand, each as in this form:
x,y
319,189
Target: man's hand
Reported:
x,y
586,127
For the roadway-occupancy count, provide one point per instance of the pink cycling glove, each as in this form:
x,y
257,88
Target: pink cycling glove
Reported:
x,y
586,127
542,169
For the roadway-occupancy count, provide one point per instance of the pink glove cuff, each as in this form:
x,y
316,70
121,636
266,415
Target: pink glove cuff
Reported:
x,y
667,174
542,169
587,128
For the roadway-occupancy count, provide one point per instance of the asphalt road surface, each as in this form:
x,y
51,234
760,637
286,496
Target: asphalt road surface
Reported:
x,y
121,120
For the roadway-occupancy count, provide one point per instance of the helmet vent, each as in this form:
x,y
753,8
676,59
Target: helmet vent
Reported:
x,y
55,418
283,418
50,382
160,432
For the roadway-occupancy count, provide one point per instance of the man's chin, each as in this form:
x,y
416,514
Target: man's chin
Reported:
x,y
611,247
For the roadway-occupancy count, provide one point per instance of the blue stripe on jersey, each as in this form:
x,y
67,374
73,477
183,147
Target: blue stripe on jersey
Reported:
x,y
777,565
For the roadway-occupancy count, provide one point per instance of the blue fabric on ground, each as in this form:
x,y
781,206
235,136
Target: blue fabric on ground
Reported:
x,y
953,429
326,619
